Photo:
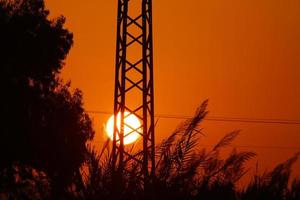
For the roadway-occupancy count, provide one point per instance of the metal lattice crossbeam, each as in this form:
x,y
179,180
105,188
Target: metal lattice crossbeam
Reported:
x,y
134,86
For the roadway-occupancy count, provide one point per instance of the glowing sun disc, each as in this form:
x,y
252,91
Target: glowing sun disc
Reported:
x,y
131,123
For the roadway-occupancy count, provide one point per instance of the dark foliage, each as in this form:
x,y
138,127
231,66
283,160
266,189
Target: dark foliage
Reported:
x,y
185,171
43,125
274,184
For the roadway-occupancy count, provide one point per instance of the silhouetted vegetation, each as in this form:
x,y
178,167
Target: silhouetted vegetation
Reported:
x,y
185,171
45,130
43,126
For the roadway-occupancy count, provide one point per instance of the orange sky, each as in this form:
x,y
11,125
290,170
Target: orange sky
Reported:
x,y
242,55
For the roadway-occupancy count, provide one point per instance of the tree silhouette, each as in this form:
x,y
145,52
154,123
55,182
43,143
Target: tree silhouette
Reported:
x,y
43,125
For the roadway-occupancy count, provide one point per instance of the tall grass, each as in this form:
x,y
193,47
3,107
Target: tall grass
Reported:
x,y
184,171
275,184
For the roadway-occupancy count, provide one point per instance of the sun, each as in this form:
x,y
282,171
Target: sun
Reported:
x,y
132,127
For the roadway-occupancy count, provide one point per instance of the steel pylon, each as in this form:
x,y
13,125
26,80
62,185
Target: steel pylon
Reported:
x,y
134,87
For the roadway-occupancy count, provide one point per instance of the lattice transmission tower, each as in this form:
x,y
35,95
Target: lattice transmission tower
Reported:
x,y
134,86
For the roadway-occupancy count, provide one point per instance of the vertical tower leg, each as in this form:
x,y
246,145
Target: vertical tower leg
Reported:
x,y
134,88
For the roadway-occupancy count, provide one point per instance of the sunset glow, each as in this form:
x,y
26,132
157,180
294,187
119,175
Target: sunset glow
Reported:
x,y
132,123
241,55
